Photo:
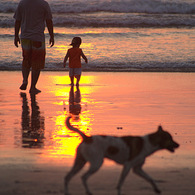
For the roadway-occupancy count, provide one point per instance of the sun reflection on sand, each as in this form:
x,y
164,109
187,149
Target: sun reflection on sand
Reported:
x,y
65,141
137,102
74,101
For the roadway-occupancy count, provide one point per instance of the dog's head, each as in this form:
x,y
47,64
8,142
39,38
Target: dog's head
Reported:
x,y
164,140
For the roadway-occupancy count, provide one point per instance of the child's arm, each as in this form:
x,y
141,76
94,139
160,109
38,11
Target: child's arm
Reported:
x,y
66,58
84,57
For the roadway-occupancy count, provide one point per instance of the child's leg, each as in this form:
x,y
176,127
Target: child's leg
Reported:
x,y
77,75
71,75
72,80
78,79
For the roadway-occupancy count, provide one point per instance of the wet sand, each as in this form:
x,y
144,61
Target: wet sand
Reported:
x,y
36,149
33,180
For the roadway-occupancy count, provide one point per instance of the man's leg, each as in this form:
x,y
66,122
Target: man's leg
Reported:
x,y
26,53
25,74
37,62
34,79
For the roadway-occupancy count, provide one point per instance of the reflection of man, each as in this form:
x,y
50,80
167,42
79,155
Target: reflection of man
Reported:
x,y
74,101
31,16
32,126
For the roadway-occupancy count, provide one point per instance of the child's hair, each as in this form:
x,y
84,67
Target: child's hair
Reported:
x,y
76,41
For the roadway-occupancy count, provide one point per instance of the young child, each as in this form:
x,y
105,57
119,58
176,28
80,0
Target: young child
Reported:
x,y
74,55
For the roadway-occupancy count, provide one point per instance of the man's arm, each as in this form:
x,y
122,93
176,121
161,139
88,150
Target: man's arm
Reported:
x,y
17,29
49,24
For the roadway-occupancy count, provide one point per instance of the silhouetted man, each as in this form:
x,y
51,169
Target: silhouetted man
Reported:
x,y
31,16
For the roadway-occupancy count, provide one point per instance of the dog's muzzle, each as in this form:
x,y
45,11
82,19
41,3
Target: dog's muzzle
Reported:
x,y
173,146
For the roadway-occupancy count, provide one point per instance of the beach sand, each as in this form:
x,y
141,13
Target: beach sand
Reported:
x,y
36,179
36,149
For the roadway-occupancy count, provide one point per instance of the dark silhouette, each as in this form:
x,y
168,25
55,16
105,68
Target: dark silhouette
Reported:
x,y
75,101
33,124
30,17
74,55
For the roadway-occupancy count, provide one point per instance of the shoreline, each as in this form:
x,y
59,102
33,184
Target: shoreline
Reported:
x,y
171,70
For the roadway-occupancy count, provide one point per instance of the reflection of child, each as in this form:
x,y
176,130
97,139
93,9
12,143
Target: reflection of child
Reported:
x,y
75,102
74,55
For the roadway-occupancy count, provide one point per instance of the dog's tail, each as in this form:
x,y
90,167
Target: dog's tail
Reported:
x,y
85,137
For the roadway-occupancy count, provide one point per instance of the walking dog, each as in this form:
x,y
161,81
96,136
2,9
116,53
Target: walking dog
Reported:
x,y
129,151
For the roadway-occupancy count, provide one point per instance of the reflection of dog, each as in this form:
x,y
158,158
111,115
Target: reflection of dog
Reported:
x,y
127,150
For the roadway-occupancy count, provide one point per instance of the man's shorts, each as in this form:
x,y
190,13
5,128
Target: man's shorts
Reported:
x,y
33,54
74,71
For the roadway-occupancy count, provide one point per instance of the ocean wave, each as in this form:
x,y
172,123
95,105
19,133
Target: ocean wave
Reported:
x,y
106,19
124,6
114,67
112,13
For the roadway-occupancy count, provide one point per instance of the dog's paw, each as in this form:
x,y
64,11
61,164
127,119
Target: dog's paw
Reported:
x,y
66,193
157,191
118,191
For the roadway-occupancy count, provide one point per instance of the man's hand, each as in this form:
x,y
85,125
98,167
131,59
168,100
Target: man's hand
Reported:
x,y
51,41
16,41
17,29
49,24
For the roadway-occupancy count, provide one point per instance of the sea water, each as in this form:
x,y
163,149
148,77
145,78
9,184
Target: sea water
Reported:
x,y
117,35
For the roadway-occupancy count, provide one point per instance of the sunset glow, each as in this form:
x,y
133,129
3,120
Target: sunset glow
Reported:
x,y
64,141
106,104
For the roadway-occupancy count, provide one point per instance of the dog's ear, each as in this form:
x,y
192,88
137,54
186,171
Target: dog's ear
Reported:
x,y
160,129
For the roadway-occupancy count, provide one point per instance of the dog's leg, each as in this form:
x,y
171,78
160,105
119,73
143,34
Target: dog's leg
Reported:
x,y
124,173
78,165
138,170
94,166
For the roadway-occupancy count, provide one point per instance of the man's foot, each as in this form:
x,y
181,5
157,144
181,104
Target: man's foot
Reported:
x,y
23,86
34,91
